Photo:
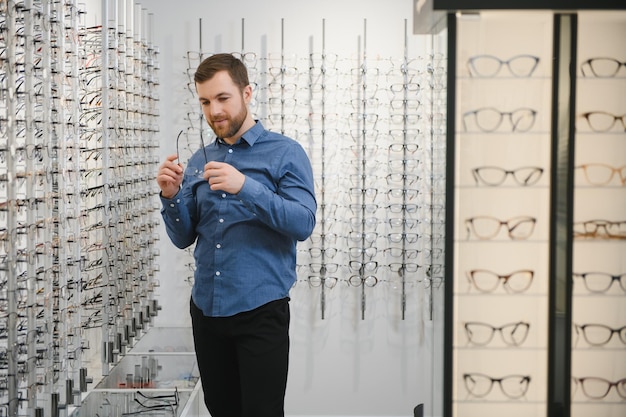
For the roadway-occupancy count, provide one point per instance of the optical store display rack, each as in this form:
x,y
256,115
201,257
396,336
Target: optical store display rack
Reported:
x,y
77,198
537,153
379,233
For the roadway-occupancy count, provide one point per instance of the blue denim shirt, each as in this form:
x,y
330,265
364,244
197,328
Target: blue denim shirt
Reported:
x,y
245,250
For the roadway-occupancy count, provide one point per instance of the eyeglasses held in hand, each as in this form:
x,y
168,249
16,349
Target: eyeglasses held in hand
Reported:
x,y
487,281
192,171
602,121
513,386
494,176
602,174
487,227
489,119
598,388
599,282
490,66
601,67
600,229
599,334
480,334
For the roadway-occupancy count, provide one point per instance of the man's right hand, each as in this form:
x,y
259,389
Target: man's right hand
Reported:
x,y
170,176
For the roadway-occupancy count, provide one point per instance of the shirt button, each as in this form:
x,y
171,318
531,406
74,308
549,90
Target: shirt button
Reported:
x,y
217,273
177,220
178,200
218,246
223,195
230,151
221,220
172,205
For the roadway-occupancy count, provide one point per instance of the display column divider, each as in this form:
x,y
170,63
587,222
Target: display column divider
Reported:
x,y
72,315
30,178
51,189
108,279
282,76
448,342
11,259
323,171
405,111
561,215
363,119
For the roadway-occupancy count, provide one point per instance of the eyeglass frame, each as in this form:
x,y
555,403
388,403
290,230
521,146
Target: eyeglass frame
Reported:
x,y
206,159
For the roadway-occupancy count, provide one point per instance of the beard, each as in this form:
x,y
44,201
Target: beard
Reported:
x,y
233,125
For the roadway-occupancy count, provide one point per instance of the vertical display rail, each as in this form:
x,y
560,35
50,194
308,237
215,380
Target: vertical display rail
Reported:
x,y
64,70
449,366
121,332
560,292
282,76
362,173
196,122
322,192
129,291
73,341
31,214
150,99
405,96
11,211
109,220
141,161
123,120
51,263
65,200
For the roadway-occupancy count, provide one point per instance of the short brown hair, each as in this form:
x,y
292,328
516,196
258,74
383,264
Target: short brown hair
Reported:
x,y
222,62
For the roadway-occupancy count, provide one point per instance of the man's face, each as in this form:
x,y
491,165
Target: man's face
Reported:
x,y
224,105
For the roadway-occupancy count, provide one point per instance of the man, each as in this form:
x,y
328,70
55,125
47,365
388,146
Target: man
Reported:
x,y
246,211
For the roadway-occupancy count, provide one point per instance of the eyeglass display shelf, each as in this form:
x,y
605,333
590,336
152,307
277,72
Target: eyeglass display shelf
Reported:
x,y
164,340
160,363
153,371
119,403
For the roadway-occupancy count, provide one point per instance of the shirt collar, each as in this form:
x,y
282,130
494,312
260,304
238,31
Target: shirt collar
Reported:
x,y
250,136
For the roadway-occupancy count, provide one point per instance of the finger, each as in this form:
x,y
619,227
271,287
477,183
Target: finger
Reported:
x,y
215,165
173,171
167,179
172,157
172,166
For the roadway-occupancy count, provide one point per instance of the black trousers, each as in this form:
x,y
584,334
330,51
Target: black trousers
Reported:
x,y
243,360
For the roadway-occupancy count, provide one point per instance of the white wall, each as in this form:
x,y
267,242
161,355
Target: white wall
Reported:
x,y
340,366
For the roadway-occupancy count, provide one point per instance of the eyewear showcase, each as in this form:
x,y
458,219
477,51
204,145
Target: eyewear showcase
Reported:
x,y
417,222
508,217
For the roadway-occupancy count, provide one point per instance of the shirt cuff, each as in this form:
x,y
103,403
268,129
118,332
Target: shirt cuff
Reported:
x,y
171,205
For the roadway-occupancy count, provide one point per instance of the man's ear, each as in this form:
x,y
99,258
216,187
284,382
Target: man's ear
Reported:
x,y
247,93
